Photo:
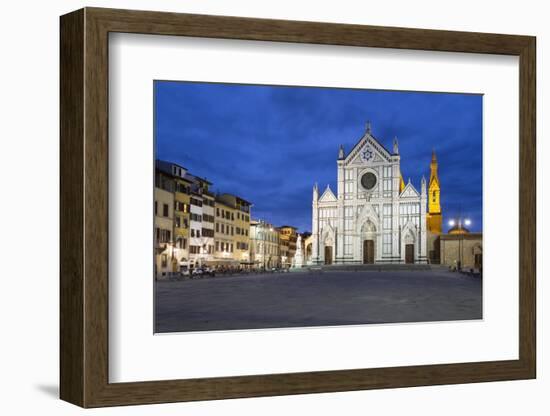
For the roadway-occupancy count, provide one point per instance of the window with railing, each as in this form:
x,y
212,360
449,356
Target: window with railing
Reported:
x,y
163,236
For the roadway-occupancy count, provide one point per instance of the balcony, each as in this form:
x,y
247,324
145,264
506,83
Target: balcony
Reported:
x,y
160,247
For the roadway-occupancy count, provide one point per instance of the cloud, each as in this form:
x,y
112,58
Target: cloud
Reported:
x,y
270,144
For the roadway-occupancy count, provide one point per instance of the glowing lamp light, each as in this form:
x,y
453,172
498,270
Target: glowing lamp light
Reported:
x,y
451,223
467,222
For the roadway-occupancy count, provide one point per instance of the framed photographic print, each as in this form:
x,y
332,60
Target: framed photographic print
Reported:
x,y
255,207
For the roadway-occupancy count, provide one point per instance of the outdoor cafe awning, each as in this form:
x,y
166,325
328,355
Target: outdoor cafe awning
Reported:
x,y
215,262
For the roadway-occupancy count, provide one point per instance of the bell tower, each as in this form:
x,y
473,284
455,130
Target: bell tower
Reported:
x,y
433,218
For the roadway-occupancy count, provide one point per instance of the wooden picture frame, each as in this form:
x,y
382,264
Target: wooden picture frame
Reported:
x,y
84,207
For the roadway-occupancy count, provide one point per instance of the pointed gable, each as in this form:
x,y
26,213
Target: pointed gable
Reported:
x,y
409,192
328,196
434,182
368,141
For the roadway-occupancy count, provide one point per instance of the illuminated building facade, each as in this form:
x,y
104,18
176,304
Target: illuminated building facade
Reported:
x,y
232,229
201,242
264,245
287,244
373,217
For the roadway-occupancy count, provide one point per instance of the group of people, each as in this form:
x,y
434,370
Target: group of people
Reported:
x,y
224,270
457,267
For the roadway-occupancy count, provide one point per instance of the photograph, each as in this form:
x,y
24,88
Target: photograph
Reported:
x,y
281,206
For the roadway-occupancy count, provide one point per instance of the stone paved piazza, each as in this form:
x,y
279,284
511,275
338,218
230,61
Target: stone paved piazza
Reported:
x,y
275,300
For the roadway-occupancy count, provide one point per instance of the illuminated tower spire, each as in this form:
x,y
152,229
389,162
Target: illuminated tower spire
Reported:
x,y
433,168
434,190
401,184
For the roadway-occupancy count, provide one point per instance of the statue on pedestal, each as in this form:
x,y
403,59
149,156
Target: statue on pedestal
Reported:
x,y
298,256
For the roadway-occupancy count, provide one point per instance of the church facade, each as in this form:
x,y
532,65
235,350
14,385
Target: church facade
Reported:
x,y
374,217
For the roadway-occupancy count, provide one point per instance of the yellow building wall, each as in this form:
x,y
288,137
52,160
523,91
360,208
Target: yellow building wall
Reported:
x,y
434,193
434,223
463,249
164,253
225,222
242,239
239,235
287,239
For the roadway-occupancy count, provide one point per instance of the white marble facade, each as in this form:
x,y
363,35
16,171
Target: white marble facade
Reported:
x,y
374,217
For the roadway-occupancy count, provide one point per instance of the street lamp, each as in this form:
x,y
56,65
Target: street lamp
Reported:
x,y
458,229
459,221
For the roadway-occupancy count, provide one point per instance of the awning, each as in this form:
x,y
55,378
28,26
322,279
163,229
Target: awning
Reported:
x,y
220,261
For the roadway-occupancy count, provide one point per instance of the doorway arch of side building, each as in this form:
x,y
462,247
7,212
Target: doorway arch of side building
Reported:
x,y
477,252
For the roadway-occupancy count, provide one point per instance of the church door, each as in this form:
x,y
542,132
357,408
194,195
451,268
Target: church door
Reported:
x,y
409,253
368,252
477,261
328,254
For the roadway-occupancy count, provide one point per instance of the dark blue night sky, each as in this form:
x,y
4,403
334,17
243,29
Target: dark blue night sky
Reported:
x,y
270,144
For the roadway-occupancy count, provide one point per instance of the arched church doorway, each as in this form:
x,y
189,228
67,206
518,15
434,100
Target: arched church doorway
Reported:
x,y
368,252
368,233
409,253
328,254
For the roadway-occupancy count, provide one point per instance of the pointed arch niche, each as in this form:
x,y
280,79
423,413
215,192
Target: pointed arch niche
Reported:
x,y
327,245
367,226
409,237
